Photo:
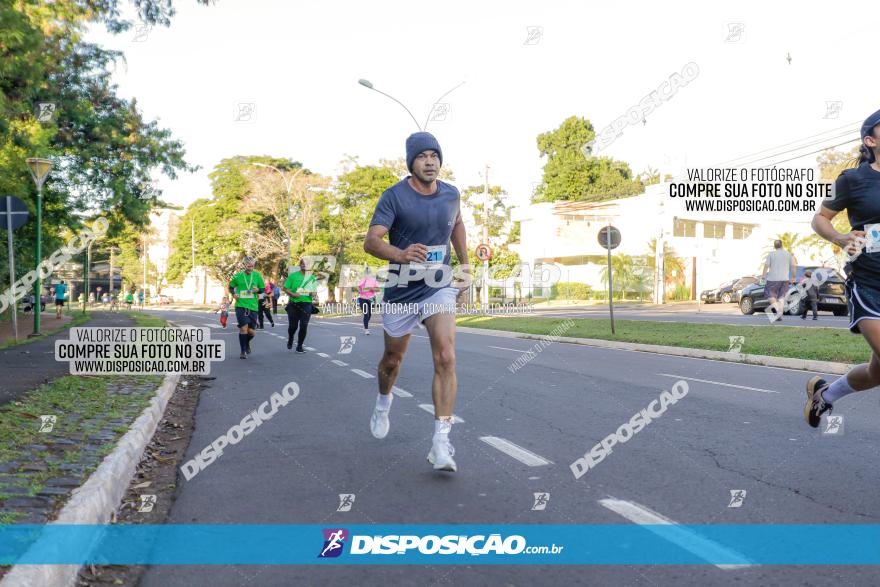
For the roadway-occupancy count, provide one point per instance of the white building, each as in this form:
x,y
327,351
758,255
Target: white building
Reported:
x,y
715,246
198,286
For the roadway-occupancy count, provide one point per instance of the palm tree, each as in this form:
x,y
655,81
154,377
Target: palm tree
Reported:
x,y
671,263
622,267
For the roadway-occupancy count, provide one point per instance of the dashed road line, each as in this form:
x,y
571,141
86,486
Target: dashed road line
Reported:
x,y
400,392
363,374
523,455
718,383
338,362
683,537
325,355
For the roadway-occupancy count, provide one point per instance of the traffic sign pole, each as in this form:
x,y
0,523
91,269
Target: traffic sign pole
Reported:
x,y
610,292
11,266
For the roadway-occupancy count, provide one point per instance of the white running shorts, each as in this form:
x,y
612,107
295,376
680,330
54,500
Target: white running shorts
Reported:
x,y
399,319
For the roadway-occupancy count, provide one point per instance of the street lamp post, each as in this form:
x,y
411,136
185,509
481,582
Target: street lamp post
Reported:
x,y
39,170
367,84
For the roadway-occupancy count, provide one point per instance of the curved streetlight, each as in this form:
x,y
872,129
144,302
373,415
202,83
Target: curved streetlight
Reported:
x,y
367,84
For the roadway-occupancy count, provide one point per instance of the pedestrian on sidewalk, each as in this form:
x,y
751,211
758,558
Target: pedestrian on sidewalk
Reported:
x,y
60,293
780,270
812,297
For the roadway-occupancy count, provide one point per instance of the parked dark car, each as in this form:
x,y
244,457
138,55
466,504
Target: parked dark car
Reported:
x,y
728,291
831,294
711,296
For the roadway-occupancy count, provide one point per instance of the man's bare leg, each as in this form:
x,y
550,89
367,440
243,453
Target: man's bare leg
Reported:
x,y
389,364
441,331
389,368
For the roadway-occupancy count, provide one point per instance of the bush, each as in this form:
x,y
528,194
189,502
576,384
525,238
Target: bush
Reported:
x,y
570,290
682,293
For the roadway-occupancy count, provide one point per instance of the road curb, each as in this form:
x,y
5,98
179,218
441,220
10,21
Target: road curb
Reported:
x,y
96,500
762,360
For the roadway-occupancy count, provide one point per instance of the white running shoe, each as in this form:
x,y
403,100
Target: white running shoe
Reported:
x,y
367,331
379,423
441,456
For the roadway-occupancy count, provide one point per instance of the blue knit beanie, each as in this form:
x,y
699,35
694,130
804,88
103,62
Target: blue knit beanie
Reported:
x,y
418,142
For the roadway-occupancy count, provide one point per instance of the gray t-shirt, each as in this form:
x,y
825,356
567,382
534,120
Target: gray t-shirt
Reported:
x,y
412,218
779,265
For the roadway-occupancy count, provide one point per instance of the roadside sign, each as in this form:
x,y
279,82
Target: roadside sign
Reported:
x,y
484,252
12,208
13,214
609,243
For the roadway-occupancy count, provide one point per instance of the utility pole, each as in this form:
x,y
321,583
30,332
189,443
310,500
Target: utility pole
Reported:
x,y
484,298
144,288
192,248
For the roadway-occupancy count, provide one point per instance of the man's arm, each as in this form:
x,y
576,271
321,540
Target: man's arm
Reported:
x,y
459,243
793,268
376,246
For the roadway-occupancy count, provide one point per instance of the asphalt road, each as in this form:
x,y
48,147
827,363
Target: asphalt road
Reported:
x,y
739,428
707,314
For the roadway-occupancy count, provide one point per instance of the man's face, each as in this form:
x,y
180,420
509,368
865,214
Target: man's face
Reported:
x,y
871,140
249,266
302,265
426,166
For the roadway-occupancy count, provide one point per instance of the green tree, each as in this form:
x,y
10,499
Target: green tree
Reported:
x,y
105,153
569,175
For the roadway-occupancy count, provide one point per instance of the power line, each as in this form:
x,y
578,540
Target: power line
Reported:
x,y
797,149
792,142
814,152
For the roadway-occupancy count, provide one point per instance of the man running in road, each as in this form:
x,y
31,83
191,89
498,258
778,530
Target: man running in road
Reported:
x,y
302,289
421,216
244,287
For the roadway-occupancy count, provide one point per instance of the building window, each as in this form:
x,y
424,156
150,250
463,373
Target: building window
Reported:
x,y
742,231
686,228
713,230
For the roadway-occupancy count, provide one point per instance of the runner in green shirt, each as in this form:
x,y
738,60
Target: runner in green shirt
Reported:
x,y
244,287
300,286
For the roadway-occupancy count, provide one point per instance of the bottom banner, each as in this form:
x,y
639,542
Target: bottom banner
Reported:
x,y
607,544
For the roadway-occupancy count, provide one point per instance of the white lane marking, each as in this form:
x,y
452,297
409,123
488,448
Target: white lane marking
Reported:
x,y
683,537
338,362
717,383
326,322
363,374
213,326
430,409
308,348
504,348
400,392
325,355
521,454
